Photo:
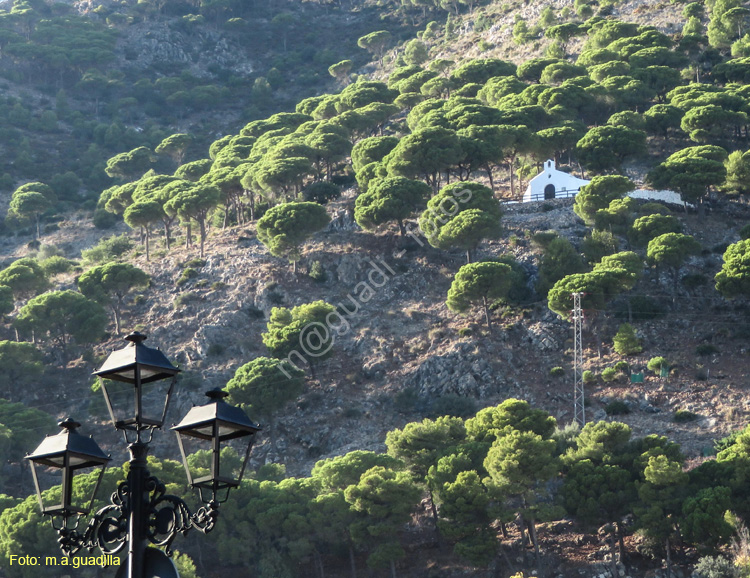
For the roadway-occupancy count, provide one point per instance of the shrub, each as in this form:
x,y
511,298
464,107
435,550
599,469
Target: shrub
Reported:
x,y
683,416
617,407
588,377
453,405
656,363
406,400
195,263
706,349
714,567
56,265
653,209
215,350
187,274
317,272
609,374
557,372
598,244
745,232
622,366
184,299
694,281
106,250
543,238
218,285
465,332
626,342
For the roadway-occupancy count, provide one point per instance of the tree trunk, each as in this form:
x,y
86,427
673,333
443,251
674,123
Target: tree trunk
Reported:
x,y
38,234
612,549
148,238
535,541
669,558
352,561
621,542
489,326
202,224
401,227
118,325
251,194
433,509
393,569
468,255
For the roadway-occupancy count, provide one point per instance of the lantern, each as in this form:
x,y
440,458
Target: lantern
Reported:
x,y
131,374
211,427
70,453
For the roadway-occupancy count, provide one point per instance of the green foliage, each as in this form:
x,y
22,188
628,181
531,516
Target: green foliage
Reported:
x,y
604,148
691,171
656,364
684,416
25,277
62,316
318,272
390,199
598,288
453,405
513,414
56,265
670,250
25,425
370,150
479,283
557,372
609,374
285,338
704,349
738,174
110,284
20,365
622,366
714,566
381,522
107,250
597,244
460,216
626,341
264,386
130,165
321,192
559,260
589,377
734,278
284,228
420,444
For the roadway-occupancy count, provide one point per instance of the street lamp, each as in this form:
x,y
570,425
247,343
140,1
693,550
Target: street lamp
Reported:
x,y
140,512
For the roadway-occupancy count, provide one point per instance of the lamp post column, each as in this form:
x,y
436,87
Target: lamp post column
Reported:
x,y
139,507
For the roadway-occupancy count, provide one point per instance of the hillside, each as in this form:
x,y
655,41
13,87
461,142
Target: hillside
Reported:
x,y
181,139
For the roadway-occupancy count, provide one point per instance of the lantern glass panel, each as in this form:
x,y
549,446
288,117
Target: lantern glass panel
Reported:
x,y
120,398
126,409
72,496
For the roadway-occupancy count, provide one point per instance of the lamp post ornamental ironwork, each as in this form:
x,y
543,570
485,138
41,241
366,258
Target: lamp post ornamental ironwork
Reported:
x,y
140,512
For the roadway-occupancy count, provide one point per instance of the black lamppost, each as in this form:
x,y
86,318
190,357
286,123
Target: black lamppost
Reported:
x,y
140,510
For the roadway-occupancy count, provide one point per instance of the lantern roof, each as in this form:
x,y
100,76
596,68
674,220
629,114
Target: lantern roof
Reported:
x,y
232,422
82,451
152,363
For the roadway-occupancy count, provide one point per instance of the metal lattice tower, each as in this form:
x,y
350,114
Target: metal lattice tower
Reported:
x,y
579,407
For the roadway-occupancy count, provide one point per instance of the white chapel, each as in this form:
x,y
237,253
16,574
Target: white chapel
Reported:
x,y
553,184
